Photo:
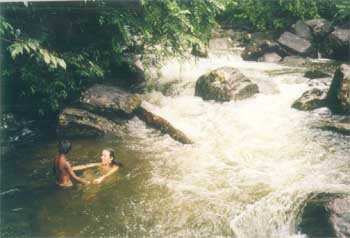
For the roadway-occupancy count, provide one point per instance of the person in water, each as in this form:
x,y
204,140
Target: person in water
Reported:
x,y
62,168
108,165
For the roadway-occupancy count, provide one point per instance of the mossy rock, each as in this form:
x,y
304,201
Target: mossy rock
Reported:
x,y
225,84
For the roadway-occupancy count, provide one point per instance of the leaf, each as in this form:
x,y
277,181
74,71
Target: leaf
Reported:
x,y
61,63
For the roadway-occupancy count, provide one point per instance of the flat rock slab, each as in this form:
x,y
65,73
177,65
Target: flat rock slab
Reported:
x,y
296,44
148,114
78,122
109,98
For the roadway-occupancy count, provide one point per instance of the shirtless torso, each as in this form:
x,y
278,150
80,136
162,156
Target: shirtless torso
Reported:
x,y
64,172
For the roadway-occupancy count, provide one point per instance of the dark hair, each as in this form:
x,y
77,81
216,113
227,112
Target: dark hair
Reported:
x,y
64,147
112,155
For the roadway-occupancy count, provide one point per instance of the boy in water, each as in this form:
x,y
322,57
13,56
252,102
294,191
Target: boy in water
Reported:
x,y
63,170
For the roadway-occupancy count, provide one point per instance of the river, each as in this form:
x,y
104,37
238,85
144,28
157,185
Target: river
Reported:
x,y
253,166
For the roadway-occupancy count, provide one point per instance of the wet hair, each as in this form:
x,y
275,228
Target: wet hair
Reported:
x,y
114,160
64,147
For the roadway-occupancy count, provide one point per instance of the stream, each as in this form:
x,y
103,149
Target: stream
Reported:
x,y
253,166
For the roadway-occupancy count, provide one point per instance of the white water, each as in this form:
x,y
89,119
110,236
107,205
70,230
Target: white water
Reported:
x,y
254,162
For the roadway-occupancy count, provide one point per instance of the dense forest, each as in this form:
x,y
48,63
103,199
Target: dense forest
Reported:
x,y
50,52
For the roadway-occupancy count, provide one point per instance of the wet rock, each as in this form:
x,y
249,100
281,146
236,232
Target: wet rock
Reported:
x,y
339,210
315,73
259,49
270,58
200,50
16,130
319,27
225,84
302,30
103,98
78,122
337,44
148,114
311,99
338,98
296,44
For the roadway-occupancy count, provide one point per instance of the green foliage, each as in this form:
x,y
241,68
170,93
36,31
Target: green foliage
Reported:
x,y
279,14
343,13
33,49
51,51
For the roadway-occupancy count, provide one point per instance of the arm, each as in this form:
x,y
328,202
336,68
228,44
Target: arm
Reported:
x,y
74,176
110,172
85,166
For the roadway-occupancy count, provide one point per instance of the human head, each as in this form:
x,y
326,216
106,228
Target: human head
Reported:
x,y
64,147
107,156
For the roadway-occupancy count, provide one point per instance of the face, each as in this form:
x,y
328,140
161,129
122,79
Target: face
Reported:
x,y
106,157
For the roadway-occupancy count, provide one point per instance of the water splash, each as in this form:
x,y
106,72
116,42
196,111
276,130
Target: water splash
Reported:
x,y
254,163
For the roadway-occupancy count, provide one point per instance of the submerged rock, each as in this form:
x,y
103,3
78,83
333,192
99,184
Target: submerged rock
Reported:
x,y
294,61
315,73
146,113
338,98
225,84
103,98
78,122
339,126
310,100
296,44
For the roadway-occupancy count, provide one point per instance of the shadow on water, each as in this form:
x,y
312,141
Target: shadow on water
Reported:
x,y
31,204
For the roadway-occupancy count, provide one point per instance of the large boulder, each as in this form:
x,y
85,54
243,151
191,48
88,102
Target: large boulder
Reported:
x,y
310,100
78,122
338,98
337,44
320,27
263,50
103,98
225,84
339,210
296,44
148,114
302,30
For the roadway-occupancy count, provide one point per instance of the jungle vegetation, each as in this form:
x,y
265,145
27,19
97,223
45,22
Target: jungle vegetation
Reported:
x,y
51,51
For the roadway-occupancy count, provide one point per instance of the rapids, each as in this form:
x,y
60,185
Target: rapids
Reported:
x,y
254,163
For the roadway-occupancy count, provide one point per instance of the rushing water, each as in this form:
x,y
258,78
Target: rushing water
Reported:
x,y
252,167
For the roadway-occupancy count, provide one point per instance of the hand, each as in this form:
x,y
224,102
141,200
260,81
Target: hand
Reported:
x,y
87,182
97,181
